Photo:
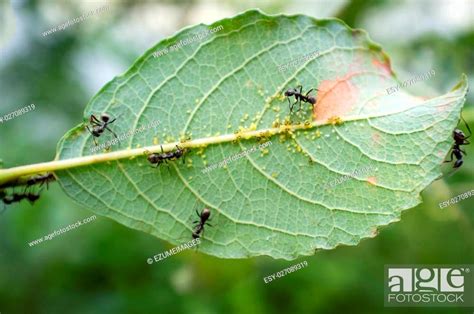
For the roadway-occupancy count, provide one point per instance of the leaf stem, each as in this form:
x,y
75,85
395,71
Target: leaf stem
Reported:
x,y
12,176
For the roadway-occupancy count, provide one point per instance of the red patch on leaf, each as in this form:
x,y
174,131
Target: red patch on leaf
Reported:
x,y
335,98
376,138
384,66
372,180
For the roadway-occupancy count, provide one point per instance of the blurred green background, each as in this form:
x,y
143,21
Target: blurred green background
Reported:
x,y
101,267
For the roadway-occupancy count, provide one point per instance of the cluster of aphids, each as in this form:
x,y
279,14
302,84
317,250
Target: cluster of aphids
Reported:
x,y
27,194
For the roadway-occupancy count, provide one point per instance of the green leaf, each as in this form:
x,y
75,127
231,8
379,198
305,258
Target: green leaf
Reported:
x,y
276,202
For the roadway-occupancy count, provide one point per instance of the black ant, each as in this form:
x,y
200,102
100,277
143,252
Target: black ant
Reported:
x,y
99,126
299,97
18,197
459,139
41,179
158,159
203,217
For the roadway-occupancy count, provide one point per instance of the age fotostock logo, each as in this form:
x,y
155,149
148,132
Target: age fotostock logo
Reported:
x,y
429,285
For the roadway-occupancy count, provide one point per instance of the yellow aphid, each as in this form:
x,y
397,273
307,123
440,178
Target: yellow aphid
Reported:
x,y
335,120
188,111
138,146
229,126
246,116
155,141
276,109
317,133
274,174
253,127
190,178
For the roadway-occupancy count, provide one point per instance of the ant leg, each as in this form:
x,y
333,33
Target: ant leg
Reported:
x,y
289,103
301,88
293,105
87,127
197,213
94,119
467,126
112,132
209,224
162,149
452,153
463,152
309,91
299,104
111,121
